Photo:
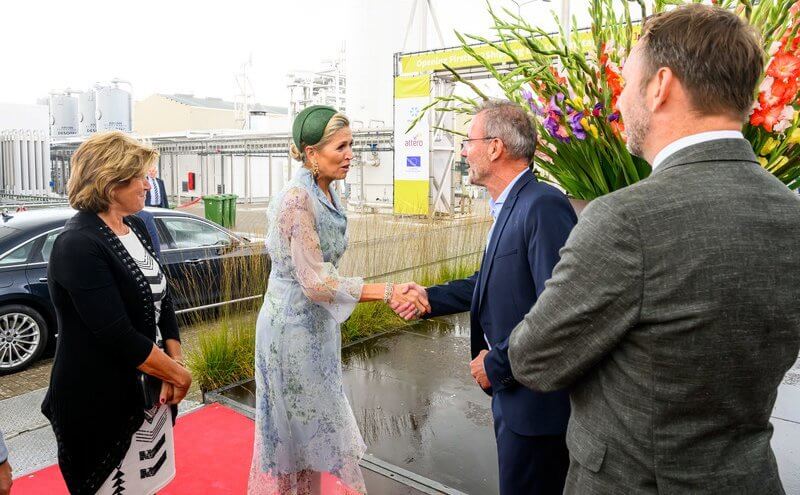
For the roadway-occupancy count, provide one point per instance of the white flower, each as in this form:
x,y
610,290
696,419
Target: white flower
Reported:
x,y
774,47
784,119
766,85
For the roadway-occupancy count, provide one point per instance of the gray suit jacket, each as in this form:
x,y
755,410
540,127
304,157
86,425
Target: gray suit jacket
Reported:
x,y
673,316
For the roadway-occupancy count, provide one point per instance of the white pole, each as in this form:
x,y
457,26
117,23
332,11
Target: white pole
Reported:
x,y
565,19
422,18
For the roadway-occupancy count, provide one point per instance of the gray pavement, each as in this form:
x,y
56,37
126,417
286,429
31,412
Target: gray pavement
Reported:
x,y
29,438
418,402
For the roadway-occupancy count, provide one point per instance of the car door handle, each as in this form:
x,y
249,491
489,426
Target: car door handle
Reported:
x,y
43,279
194,261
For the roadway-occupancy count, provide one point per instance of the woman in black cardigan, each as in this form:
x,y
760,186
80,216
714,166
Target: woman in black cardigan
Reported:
x,y
112,305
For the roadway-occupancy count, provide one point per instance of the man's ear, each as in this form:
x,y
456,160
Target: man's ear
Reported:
x,y
663,80
496,148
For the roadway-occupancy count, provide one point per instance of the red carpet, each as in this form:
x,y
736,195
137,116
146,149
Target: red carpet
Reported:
x,y
213,450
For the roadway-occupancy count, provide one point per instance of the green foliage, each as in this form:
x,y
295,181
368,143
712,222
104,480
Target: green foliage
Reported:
x,y
224,352
570,84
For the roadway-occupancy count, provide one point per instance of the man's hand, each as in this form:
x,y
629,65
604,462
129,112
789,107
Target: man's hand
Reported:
x,y
410,301
478,371
5,478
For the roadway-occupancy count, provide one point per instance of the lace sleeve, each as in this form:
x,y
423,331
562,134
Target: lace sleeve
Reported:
x,y
319,279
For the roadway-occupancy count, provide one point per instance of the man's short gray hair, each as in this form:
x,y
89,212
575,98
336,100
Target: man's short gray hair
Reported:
x,y
512,125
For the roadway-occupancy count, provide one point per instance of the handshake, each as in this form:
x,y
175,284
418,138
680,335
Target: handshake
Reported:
x,y
409,300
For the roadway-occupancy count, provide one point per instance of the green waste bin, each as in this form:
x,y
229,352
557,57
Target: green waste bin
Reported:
x,y
214,211
224,199
231,210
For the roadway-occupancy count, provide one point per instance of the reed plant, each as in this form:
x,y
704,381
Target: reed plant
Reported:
x,y
382,248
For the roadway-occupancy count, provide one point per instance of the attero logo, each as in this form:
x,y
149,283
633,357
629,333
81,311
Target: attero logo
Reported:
x,y
413,161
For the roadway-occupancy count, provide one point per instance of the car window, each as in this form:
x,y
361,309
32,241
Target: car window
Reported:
x,y
19,255
47,246
190,233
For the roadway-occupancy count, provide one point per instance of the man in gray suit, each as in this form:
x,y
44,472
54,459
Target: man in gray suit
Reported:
x,y
672,315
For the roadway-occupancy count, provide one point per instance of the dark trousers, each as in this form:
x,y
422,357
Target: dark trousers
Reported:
x,y
534,465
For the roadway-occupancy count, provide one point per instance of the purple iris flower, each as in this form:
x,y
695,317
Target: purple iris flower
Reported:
x,y
527,95
598,108
553,107
577,127
613,117
554,127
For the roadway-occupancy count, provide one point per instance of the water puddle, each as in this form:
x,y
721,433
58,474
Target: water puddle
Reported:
x,y
417,405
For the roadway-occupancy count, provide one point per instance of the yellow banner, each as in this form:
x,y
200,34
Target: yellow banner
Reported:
x,y
412,86
457,58
411,197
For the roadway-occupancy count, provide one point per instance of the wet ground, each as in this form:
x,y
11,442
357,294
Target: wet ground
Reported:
x,y
419,409
425,422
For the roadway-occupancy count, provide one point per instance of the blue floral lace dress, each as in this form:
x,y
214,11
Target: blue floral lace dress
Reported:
x,y
304,423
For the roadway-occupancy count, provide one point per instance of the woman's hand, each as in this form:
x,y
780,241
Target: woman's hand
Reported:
x,y
167,392
169,370
172,394
409,300
178,394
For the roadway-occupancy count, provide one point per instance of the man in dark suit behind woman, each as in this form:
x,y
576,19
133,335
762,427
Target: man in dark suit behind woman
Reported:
x,y
532,222
672,316
157,195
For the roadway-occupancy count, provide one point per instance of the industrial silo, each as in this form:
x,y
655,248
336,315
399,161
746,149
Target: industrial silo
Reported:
x,y
86,113
63,114
113,107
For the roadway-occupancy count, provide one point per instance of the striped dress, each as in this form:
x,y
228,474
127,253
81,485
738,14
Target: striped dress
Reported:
x,y
149,464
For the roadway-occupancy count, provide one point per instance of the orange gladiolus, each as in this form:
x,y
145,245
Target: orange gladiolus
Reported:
x,y
784,66
558,78
784,91
766,117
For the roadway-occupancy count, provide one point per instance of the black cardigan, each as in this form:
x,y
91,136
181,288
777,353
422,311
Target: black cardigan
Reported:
x,y
106,323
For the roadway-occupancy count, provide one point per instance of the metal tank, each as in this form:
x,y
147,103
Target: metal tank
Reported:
x,y
24,162
86,113
63,114
113,107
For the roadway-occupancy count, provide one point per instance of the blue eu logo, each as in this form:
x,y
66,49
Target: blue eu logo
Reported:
x,y
413,161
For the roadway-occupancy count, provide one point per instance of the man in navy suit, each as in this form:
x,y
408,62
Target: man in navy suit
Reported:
x,y
532,221
156,196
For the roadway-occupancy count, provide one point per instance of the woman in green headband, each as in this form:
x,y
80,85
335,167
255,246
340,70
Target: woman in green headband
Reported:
x,y
305,429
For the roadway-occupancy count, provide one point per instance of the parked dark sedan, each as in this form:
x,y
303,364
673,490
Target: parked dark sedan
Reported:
x,y
194,253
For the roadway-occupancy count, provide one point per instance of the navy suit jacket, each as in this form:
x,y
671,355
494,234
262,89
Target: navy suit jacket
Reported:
x,y
531,228
148,200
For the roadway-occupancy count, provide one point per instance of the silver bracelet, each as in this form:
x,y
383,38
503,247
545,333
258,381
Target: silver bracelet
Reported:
x,y
387,292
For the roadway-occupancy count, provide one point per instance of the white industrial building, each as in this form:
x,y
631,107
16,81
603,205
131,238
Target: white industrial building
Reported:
x,y
24,149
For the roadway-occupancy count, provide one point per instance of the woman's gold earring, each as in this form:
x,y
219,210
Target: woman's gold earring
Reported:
x,y
315,169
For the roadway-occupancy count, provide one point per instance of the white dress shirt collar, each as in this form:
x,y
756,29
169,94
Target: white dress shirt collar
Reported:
x,y
496,205
691,140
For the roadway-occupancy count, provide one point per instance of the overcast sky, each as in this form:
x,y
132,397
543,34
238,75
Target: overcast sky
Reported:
x,y
176,46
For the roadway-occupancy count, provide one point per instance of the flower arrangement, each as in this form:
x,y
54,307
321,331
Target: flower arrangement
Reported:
x,y
570,84
773,124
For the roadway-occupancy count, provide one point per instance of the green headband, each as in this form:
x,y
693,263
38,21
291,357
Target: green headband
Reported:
x,y
309,125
